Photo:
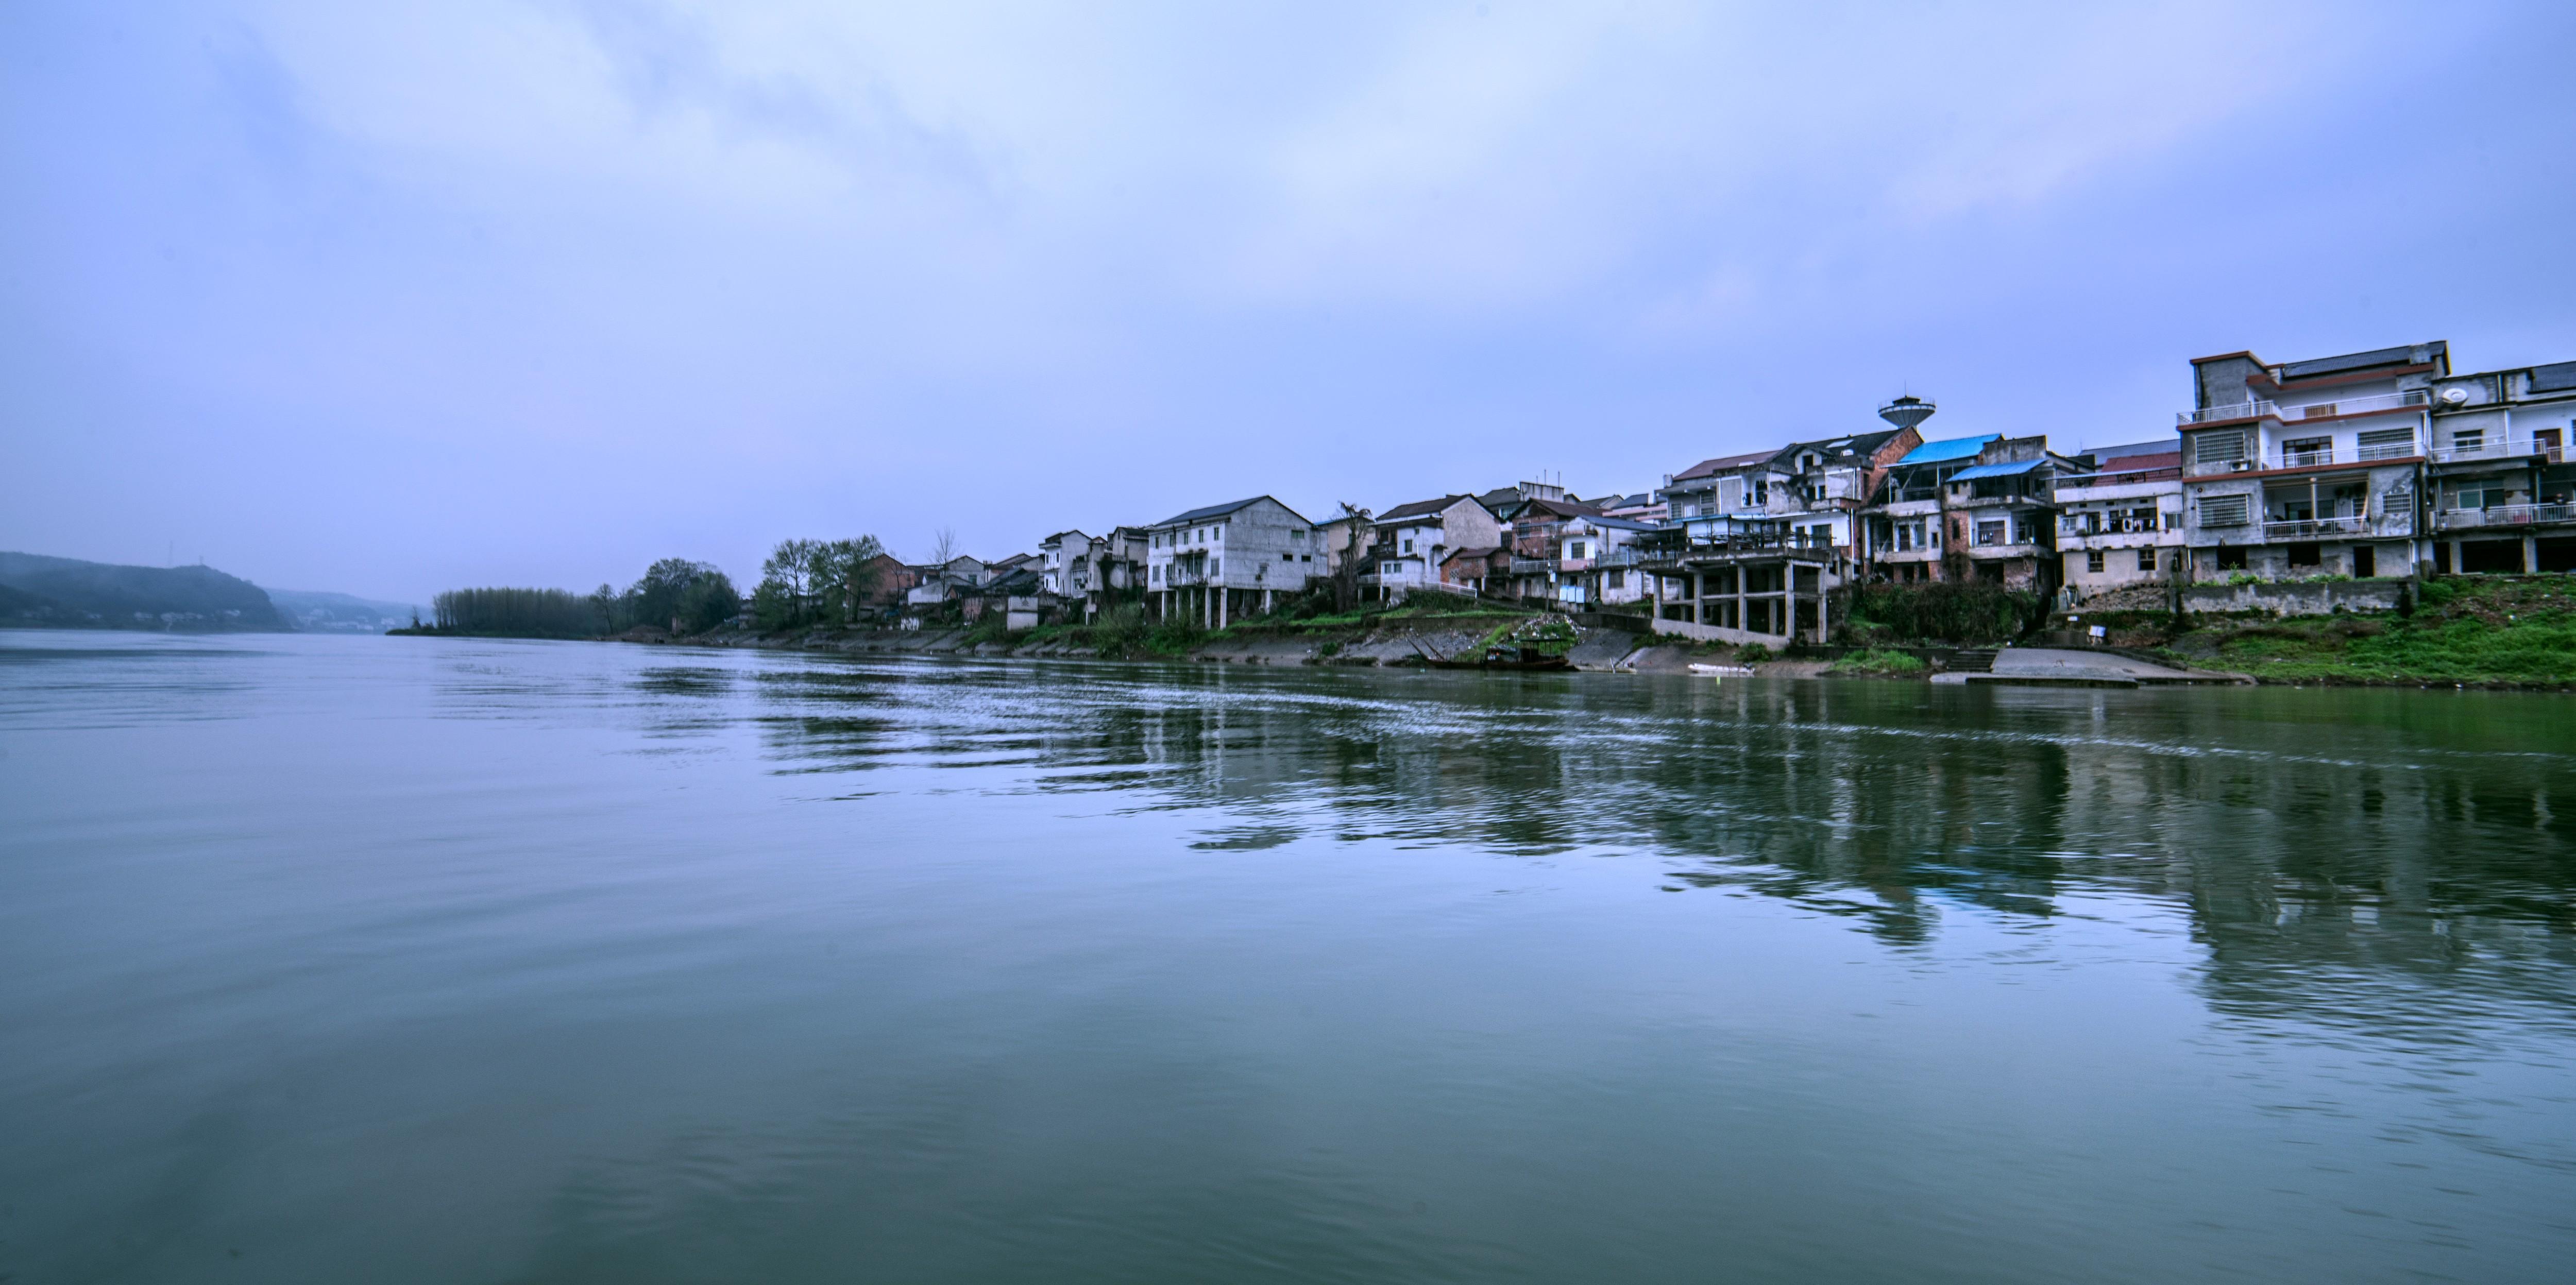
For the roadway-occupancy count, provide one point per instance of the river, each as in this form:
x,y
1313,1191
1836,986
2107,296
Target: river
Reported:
x,y
436,960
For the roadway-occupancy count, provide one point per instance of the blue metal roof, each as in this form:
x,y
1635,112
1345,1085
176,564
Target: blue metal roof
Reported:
x,y
1996,470
1942,452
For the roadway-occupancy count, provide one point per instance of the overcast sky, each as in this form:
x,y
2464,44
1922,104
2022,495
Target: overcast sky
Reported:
x,y
392,297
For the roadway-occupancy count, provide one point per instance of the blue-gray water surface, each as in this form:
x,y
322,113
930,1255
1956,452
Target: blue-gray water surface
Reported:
x,y
416,960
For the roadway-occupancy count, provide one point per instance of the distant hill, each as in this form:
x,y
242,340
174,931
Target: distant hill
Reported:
x,y
37,592
318,612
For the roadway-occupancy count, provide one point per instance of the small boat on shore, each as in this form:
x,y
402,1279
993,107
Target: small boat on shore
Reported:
x,y
1503,658
1721,671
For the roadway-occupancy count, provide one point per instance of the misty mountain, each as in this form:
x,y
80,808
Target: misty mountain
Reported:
x,y
37,592
314,611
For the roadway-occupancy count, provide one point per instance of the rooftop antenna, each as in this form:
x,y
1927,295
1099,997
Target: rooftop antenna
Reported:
x,y
1907,411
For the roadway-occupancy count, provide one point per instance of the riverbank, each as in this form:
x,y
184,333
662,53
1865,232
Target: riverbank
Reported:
x,y
2506,633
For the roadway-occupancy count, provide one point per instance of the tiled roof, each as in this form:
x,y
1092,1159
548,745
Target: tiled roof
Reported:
x,y
1220,510
1723,463
1421,508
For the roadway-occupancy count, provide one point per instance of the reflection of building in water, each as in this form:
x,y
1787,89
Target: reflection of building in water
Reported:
x,y
2361,856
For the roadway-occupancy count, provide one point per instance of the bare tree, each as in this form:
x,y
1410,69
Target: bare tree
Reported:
x,y
1355,556
943,546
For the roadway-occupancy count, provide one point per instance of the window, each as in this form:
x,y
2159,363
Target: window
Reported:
x,y
1389,568
2146,559
1575,550
1287,557
2468,440
1215,565
2093,561
1305,557
1408,544
2387,443
1990,532
1158,575
2218,448
1618,580
2223,510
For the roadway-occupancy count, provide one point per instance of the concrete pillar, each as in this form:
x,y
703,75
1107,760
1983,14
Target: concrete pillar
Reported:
x,y
1265,601
1224,599
2530,554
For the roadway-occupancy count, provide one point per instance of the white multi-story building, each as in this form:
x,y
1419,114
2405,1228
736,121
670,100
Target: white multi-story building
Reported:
x,y
2308,467
1599,562
2501,490
1228,560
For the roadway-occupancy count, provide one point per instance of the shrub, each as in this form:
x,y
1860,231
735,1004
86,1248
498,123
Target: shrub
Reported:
x,y
1945,611
1878,662
1752,654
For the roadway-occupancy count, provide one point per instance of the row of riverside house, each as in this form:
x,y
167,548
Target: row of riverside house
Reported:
x,y
2371,464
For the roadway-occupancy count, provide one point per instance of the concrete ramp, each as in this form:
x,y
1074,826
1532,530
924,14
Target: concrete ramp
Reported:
x,y
2070,667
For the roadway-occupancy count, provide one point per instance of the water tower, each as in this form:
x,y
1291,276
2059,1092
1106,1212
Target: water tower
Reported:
x,y
1907,411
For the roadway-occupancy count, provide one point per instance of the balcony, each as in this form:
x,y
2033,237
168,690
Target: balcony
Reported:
x,y
2402,400
2301,459
2500,449
1533,566
2300,530
2220,414
2502,515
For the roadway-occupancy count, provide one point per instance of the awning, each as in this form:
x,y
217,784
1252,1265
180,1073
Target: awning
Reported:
x,y
1942,452
2013,469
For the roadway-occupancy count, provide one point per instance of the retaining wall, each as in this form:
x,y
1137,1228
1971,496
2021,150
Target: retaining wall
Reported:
x,y
2294,598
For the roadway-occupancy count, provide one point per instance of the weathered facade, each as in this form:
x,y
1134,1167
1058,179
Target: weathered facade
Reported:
x,y
2501,490
1217,563
2119,523
1414,539
2308,467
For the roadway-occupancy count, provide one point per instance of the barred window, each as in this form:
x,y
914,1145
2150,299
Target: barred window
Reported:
x,y
2219,448
2223,510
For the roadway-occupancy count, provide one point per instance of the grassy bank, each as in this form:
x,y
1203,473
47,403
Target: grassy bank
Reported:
x,y
2493,633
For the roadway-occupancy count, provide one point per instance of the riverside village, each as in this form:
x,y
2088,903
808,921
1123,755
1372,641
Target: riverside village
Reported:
x,y
2374,517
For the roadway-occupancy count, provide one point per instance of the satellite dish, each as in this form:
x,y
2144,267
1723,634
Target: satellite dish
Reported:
x,y
2455,396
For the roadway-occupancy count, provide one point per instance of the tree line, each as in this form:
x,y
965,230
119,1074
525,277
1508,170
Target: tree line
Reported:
x,y
804,583
830,583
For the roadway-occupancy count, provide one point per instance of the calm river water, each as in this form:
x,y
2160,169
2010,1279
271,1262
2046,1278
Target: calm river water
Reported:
x,y
413,960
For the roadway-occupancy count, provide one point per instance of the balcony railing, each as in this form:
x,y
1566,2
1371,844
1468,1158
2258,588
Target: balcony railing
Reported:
x,y
2496,515
2315,528
2301,459
2241,410
2359,405
1533,566
2312,410
2498,450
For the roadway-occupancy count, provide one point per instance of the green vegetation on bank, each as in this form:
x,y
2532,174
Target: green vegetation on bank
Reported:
x,y
673,594
1877,662
2490,632
1944,613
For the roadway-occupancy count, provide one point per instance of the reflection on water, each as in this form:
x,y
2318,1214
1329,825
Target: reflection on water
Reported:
x,y
545,962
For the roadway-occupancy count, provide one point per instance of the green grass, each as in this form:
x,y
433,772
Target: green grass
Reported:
x,y
1877,662
2520,632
